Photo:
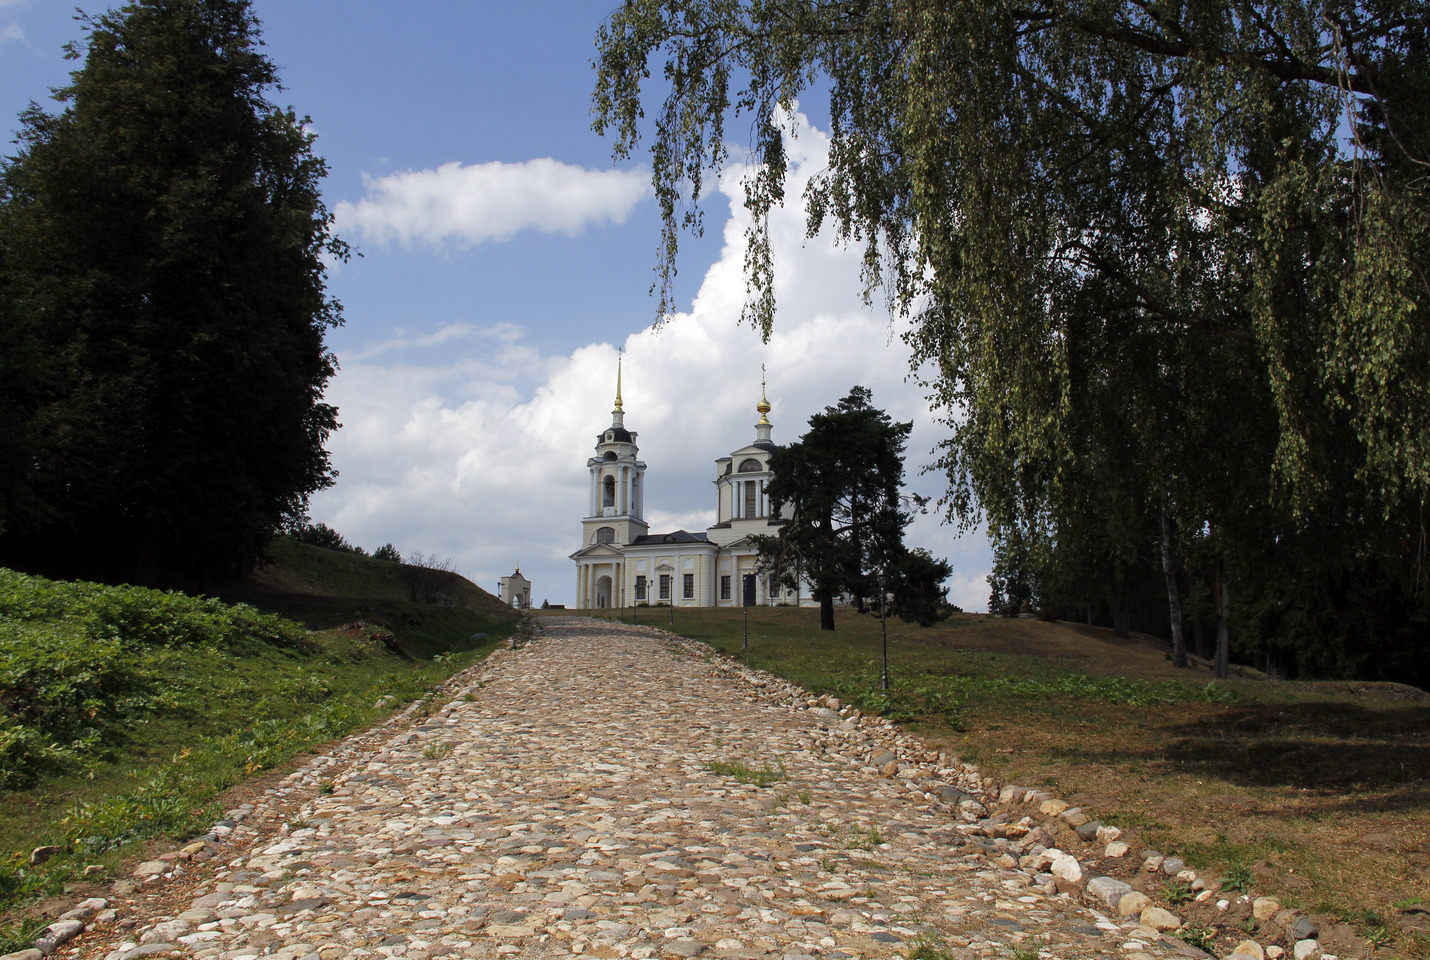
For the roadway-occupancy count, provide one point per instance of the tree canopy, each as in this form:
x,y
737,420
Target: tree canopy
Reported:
x,y
995,159
1167,264
162,245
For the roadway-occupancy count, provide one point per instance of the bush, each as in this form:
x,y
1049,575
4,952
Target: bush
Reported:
x,y
425,574
77,660
322,535
387,552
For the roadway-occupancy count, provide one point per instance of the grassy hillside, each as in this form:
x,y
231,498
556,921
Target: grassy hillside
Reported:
x,y
1317,793
126,712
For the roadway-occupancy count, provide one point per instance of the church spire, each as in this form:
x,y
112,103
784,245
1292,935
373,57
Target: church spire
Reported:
x,y
618,415
763,428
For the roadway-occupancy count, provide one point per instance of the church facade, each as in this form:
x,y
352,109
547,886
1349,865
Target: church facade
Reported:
x,y
621,563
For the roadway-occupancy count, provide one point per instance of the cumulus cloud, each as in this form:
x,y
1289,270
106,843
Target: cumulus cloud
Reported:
x,y
478,203
466,442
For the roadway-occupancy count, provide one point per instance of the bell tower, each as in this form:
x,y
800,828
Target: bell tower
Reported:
x,y
616,512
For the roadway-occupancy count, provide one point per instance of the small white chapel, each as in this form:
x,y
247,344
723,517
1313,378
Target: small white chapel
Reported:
x,y
621,563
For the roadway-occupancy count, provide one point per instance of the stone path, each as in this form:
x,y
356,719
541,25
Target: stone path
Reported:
x,y
589,795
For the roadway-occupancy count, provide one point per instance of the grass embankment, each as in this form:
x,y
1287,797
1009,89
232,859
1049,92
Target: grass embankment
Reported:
x,y
1317,793
125,713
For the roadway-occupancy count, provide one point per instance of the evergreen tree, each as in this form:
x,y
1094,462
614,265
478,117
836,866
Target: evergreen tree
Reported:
x,y
837,489
162,244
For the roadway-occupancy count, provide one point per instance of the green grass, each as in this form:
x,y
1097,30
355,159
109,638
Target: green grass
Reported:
x,y
128,712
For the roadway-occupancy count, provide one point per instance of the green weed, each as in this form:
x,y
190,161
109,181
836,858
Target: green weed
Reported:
x,y
1178,891
927,946
761,776
1196,935
1237,877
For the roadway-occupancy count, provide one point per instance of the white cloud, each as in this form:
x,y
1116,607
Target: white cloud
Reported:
x,y
12,33
456,204
465,442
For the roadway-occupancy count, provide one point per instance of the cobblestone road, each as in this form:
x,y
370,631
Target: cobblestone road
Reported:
x,y
589,795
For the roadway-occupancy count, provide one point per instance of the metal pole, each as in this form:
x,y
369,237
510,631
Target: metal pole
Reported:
x,y
746,644
672,611
884,630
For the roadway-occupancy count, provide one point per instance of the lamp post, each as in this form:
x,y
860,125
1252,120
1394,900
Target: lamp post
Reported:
x,y
671,607
884,628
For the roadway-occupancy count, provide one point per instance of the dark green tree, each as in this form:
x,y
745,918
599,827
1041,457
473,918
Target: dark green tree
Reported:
x,y
162,243
838,489
916,588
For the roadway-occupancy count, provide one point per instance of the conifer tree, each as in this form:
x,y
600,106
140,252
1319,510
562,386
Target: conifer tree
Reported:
x,y
162,244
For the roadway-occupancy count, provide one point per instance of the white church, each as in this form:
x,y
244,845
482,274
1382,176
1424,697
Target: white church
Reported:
x,y
621,563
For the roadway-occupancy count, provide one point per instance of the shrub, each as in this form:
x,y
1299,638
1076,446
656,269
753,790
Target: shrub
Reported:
x,y
322,535
77,660
387,552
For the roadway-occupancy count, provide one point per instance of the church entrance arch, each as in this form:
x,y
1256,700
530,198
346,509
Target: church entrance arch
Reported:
x,y
603,592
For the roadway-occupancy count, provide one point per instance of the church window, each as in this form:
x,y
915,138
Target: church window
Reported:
x,y
725,588
606,535
609,498
774,587
665,586
751,466
640,588
751,501
689,593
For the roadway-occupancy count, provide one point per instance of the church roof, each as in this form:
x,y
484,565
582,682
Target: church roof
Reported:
x,y
618,435
679,536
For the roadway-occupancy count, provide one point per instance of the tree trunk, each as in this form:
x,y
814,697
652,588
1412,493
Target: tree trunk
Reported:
x,y
1199,638
1121,602
826,613
1223,628
1174,599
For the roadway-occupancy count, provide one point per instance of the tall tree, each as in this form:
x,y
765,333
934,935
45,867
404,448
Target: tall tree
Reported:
x,y
163,239
838,490
1129,235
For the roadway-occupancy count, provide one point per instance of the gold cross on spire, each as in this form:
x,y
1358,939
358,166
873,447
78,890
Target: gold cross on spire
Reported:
x,y
764,405
619,357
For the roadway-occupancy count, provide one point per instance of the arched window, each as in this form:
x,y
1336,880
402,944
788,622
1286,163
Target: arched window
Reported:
x,y
606,535
751,466
610,455
609,497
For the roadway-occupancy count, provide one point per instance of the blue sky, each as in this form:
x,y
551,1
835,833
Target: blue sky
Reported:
x,y
505,259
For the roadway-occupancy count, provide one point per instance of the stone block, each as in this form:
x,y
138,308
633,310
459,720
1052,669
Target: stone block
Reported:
x,y
1132,904
1108,891
1163,921
1247,950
